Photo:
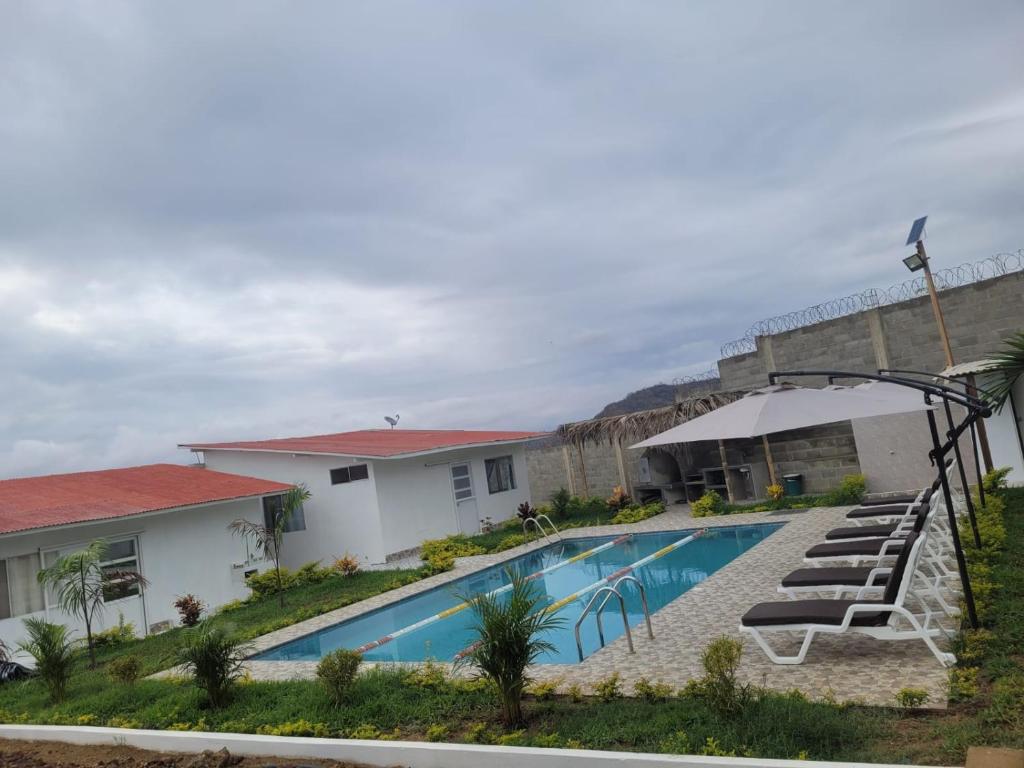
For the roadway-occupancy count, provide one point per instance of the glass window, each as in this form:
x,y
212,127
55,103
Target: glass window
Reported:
x,y
25,593
462,483
121,556
273,506
349,474
500,474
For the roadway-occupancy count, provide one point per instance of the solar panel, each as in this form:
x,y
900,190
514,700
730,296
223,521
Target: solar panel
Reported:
x,y
917,231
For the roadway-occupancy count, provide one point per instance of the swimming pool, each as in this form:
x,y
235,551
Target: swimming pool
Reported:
x,y
664,579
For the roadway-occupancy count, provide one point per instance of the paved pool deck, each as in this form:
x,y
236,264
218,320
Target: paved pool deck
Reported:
x,y
852,667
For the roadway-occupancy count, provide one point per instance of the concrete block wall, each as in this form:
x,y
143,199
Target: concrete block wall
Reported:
x,y
547,468
979,316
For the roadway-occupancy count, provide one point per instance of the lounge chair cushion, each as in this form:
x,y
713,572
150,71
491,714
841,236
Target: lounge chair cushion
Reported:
x,y
850,548
811,612
863,531
825,577
887,510
907,498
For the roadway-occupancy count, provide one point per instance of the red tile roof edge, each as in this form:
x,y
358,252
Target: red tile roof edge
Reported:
x,y
74,498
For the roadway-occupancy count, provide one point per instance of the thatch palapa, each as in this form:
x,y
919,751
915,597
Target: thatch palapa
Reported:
x,y
634,427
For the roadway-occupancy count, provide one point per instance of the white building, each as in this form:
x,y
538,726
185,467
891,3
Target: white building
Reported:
x,y
168,522
377,494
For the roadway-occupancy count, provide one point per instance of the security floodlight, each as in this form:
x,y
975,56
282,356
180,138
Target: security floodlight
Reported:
x,y
914,262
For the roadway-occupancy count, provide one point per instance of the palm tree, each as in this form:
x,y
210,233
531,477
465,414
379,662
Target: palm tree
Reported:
x,y
508,627
1009,365
268,539
82,585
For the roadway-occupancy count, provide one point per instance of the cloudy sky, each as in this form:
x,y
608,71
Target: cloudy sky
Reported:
x,y
228,220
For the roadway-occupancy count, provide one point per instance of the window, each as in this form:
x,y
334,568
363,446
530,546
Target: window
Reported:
x,y
20,593
121,556
462,483
273,508
350,474
500,475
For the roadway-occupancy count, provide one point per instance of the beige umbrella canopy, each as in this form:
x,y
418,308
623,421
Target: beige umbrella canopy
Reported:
x,y
782,407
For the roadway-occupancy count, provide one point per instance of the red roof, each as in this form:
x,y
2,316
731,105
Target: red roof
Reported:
x,y
375,443
51,500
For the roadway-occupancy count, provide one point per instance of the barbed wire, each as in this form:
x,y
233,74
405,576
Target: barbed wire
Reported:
x,y
954,277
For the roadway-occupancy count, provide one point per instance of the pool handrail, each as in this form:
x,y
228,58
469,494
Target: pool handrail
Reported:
x,y
536,520
643,603
590,604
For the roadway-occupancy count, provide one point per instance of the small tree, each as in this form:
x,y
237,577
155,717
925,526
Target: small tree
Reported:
x,y
50,646
215,660
82,584
508,629
268,539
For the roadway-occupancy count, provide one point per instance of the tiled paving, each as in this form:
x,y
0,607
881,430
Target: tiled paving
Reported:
x,y
845,667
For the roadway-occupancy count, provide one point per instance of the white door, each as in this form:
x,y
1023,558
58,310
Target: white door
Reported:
x,y
466,514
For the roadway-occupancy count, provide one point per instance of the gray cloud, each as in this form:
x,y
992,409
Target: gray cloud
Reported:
x,y
248,220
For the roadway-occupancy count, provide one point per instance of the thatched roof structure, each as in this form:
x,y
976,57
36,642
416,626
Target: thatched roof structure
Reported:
x,y
634,427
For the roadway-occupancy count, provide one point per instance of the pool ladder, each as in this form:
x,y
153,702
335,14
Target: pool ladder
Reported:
x,y
609,592
538,524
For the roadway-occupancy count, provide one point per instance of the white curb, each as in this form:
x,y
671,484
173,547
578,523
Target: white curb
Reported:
x,y
411,754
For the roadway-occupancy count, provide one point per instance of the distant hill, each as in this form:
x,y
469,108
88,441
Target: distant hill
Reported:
x,y
654,397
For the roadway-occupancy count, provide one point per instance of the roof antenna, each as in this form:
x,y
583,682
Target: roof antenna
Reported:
x,y
392,420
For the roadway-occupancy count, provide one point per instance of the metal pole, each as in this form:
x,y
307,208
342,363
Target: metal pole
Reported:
x,y
936,308
963,473
977,465
986,450
961,563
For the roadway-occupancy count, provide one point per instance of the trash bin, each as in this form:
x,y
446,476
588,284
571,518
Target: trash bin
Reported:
x,y
794,484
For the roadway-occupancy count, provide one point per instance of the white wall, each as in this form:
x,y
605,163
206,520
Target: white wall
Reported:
x,y
181,551
416,500
1003,435
339,518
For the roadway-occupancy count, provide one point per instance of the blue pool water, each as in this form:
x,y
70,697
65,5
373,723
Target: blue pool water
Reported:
x,y
665,579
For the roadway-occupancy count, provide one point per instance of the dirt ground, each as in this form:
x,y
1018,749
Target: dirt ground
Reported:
x,y
48,754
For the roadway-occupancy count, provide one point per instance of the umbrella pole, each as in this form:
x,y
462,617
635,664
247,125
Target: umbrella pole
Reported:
x,y
961,563
769,459
725,471
963,474
977,465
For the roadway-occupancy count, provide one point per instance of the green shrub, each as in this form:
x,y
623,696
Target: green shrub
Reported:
x,y
214,659
850,491
560,504
449,547
510,541
707,505
125,669
721,660
963,683
336,671
609,688
119,634
437,732
265,583
994,480
311,573
652,692
543,690
635,513
589,507
438,563
912,698
51,647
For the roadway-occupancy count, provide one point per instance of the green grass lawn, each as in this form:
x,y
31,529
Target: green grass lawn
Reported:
x,y
391,703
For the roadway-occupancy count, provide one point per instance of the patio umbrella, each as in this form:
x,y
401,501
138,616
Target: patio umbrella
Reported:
x,y
782,407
